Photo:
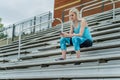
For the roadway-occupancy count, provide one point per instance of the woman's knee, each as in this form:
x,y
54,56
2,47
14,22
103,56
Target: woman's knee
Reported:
x,y
74,40
62,40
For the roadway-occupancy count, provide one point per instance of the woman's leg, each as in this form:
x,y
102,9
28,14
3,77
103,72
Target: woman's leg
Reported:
x,y
86,43
63,42
78,54
63,54
76,43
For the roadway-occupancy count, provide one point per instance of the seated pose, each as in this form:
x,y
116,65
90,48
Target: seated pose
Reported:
x,y
79,35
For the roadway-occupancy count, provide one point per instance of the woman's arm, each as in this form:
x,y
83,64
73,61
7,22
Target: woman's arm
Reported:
x,y
71,30
70,34
83,24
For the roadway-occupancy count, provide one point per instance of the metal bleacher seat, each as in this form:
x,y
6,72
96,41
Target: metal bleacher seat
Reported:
x,y
57,37
98,71
103,17
111,45
94,34
98,46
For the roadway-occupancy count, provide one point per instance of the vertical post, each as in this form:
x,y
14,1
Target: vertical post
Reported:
x,y
63,13
40,24
31,27
49,17
7,36
113,9
13,32
102,7
34,24
19,46
81,13
22,27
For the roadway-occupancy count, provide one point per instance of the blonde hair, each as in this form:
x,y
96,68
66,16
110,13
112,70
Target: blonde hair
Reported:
x,y
76,11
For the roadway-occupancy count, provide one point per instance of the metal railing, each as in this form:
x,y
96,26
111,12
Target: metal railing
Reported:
x,y
97,4
21,31
112,2
61,23
13,30
63,15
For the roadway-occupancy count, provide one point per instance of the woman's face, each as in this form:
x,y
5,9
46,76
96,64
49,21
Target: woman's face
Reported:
x,y
72,16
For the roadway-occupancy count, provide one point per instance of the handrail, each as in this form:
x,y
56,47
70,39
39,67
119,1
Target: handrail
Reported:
x,y
61,23
81,5
19,47
97,4
46,22
76,7
113,9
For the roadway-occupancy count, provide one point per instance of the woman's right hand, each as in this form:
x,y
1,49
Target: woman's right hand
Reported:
x,y
64,34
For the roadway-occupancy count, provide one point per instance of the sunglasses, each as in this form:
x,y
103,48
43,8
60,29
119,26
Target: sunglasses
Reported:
x,y
71,15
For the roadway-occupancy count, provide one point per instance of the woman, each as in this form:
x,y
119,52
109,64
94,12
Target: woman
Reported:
x,y
79,35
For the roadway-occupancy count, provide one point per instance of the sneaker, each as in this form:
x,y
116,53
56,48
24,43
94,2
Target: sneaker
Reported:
x,y
77,63
59,59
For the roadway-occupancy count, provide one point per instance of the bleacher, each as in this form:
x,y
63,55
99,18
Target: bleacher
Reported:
x,y
39,51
